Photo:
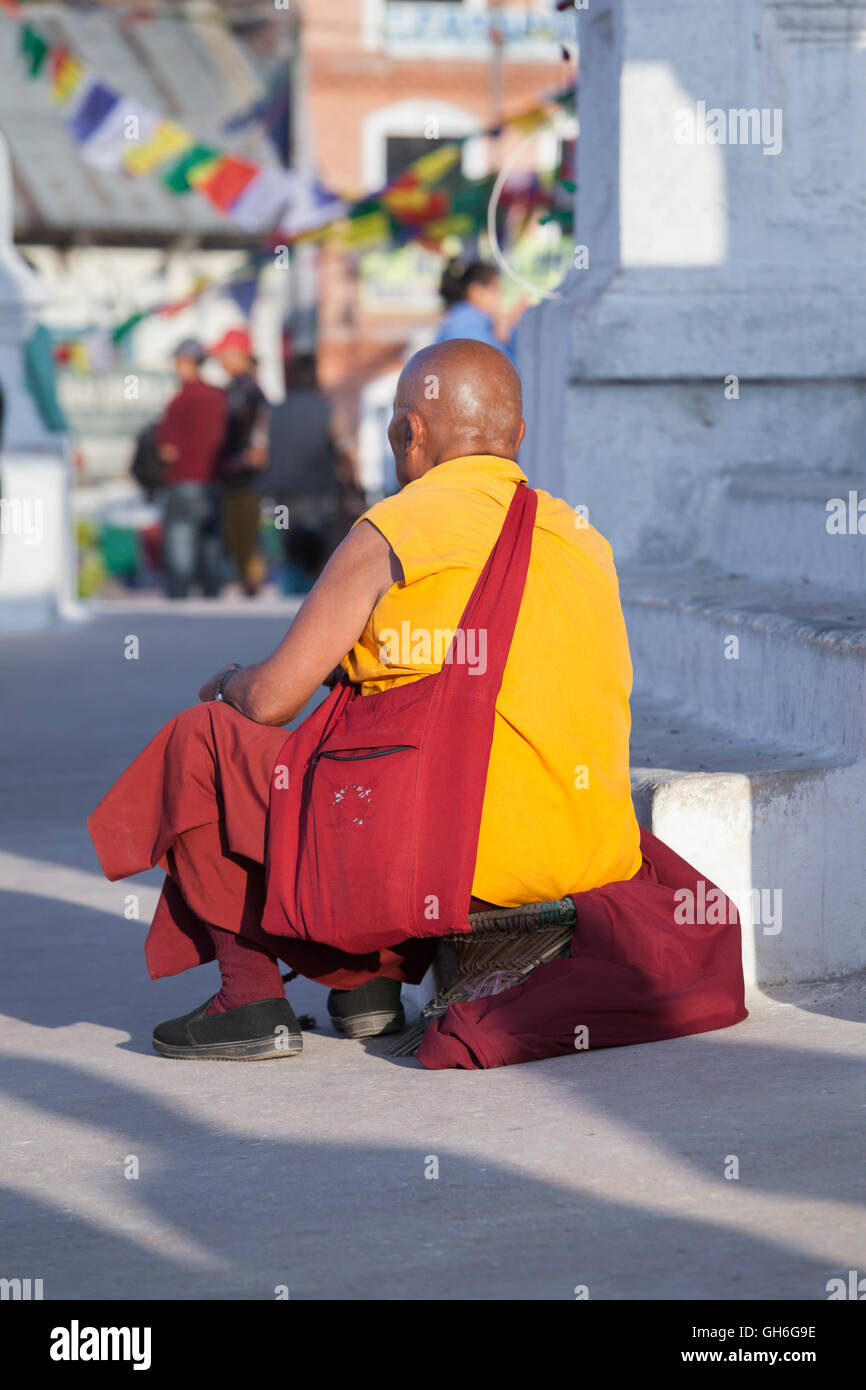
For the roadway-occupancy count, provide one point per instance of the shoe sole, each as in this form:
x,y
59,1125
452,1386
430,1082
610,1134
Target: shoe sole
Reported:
x,y
370,1025
252,1050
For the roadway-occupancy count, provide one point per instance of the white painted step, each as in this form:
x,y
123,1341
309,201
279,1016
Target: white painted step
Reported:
x,y
773,524
779,662
779,830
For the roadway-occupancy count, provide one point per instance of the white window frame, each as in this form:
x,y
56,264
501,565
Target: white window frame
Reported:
x,y
409,117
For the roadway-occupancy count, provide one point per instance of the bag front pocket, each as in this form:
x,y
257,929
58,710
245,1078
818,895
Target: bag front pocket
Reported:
x,y
357,845
354,755
353,796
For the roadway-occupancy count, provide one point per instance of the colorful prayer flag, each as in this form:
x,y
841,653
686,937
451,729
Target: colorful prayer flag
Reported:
x,y
92,105
117,134
177,178
199,285
406,197
459,224
66,73
266,200
164,141
372,228
126,327
432,167
316,207
244,292
79,356
34,49
530,120
416,205
223,184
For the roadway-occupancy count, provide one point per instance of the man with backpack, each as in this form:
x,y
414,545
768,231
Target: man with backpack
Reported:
x,y
189,438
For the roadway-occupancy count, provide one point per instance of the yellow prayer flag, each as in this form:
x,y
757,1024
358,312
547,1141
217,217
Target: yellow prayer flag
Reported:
x,y
166,142
322,235
458,224
406,200
79,356
530,120
373,226
430,168
202,172
67,74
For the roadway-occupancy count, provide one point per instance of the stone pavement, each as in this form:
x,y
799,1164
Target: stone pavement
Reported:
x,y
603,1170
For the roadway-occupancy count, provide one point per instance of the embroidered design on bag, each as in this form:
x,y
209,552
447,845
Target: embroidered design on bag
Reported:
x,y
361,800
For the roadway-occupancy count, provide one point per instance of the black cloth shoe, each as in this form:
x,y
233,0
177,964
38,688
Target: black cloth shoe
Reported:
x,y
251,1032
369,1010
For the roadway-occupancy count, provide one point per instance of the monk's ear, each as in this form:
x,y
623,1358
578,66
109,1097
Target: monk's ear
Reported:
x,y
417,434
521,431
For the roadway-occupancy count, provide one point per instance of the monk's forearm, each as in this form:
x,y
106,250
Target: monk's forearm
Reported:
x,y
254,691
330,620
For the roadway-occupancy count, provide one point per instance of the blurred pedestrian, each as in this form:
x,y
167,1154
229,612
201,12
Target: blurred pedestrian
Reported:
x,y
243,458
472,294
189,438
301,476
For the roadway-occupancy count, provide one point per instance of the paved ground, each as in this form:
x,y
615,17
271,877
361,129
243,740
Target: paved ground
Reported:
x,y
604,1170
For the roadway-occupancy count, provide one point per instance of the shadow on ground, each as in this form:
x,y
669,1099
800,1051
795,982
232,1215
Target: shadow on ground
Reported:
x,y
356,1221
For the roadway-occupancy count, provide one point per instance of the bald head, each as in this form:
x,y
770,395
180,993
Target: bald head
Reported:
x,y
455,398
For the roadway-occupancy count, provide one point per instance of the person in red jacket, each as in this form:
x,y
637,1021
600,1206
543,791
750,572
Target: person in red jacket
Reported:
x,y
189,438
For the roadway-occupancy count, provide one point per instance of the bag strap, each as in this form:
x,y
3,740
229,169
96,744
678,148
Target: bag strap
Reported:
x,y
490,615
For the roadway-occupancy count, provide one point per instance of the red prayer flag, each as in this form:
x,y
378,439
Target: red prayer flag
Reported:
x,y
226,181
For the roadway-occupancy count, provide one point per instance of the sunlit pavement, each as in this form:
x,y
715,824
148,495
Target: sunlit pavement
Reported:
x,y
345,1174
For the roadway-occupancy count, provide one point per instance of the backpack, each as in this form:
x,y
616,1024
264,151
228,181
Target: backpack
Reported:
x,y
147,468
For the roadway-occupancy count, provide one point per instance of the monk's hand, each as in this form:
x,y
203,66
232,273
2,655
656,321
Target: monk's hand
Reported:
x,y
209,689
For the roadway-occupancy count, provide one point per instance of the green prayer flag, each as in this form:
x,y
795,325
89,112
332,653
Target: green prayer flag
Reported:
x,y
362,207
34,49
472,196
176,176
127,326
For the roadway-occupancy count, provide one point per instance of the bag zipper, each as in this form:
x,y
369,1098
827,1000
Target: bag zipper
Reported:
x,y
359,757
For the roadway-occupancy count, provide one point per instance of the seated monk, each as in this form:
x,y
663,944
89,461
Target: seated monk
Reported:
x,y
556,817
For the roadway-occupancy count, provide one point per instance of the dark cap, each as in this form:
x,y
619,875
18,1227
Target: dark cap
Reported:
x,y
192,348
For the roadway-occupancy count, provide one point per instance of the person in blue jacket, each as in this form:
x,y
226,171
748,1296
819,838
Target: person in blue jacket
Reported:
x,y
471,291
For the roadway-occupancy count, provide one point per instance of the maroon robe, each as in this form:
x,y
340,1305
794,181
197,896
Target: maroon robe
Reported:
x,y
195,801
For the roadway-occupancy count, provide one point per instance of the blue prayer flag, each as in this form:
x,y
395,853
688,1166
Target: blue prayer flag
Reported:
x,y
89,114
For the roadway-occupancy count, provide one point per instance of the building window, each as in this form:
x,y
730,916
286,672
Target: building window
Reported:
x,y
393,136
